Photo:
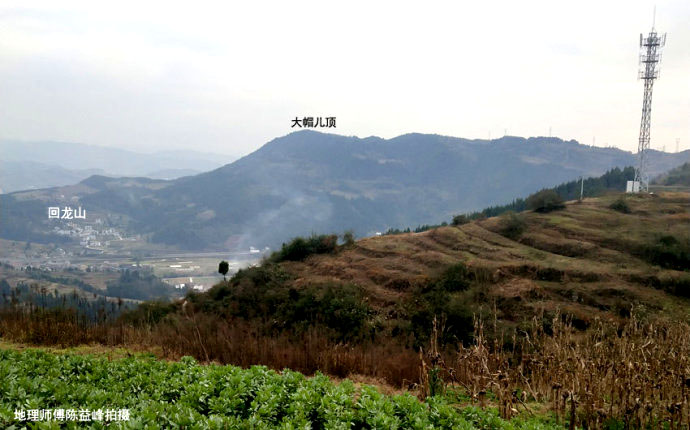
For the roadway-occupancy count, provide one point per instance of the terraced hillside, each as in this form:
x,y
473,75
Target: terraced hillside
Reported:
x,y
588,260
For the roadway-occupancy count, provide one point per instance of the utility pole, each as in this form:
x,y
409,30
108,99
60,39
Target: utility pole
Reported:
x,y
582,187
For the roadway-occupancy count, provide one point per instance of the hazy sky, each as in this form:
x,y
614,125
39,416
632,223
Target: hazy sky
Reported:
x,y
224,77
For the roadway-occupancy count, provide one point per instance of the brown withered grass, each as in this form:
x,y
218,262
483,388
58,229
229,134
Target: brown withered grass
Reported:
x,y
637,374
212,339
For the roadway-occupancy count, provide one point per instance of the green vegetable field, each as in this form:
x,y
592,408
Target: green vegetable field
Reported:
x,y
186,395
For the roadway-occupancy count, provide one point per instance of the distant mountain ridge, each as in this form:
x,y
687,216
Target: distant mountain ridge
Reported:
x,y
26,175
312,182
33,165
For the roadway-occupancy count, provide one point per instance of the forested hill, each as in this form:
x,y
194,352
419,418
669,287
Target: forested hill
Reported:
x,y
312,182
613,180
678,176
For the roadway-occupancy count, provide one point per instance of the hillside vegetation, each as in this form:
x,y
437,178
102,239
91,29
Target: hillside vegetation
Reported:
x,y
587,259
680,176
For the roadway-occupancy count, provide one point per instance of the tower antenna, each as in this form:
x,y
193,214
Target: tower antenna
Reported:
x,y
649,58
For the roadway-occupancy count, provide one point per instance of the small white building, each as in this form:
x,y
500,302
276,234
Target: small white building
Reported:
x,y
632,187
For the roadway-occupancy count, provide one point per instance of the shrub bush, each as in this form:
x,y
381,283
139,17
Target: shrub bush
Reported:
x,y
455,278
678,286
349,238
439,299
452,312
669,252
512,225
139,285
545,201
300,248
149,313
264,294
460,219
621,206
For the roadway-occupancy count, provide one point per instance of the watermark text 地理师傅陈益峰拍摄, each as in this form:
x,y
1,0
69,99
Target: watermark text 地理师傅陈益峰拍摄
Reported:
x,y
77,415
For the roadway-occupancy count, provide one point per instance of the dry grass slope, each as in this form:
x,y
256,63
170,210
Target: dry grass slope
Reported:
x,y
584,260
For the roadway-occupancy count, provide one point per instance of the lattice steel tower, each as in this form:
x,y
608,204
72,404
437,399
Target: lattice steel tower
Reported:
x,y
650,56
